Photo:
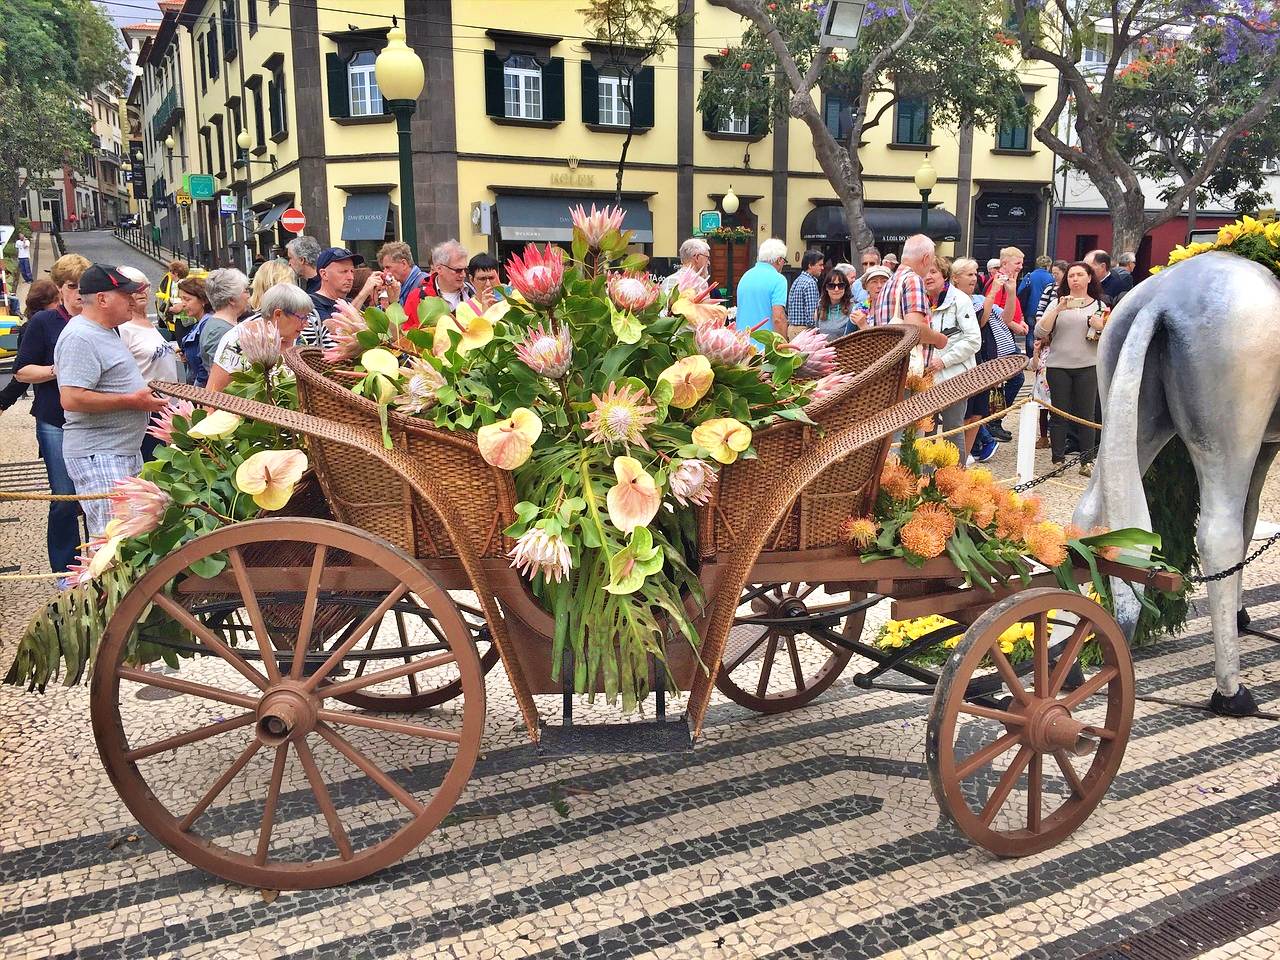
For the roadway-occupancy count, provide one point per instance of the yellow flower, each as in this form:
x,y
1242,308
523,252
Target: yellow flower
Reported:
x,y
509,443
269,476
1272,233
216,426
1229,234
690,379
1249,225
634,500
859,531
476,329
723,437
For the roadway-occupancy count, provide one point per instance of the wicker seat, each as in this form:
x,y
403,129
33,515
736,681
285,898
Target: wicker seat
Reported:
x,y
367,493
878,358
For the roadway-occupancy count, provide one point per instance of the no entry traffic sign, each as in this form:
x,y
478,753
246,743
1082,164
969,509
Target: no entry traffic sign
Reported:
x,y
293,220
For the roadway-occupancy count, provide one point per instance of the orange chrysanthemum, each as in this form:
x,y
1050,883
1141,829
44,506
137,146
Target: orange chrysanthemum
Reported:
x,y
938,517
922,537
949,479
897,481
1047,542
861,532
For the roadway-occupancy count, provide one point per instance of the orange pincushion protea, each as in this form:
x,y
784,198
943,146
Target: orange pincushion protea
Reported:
x,y
985,514
917,383
922,537
949,479
1072,532
925,426
938,517
861,532
1010,521
1110,553
897,481
1047,542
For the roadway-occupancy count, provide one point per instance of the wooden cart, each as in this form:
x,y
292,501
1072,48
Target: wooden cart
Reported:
x,y
370,632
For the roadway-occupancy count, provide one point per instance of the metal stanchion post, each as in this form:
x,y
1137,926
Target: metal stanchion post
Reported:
x,y
1028,433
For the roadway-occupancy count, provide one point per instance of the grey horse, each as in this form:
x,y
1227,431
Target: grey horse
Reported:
x,y
1193,351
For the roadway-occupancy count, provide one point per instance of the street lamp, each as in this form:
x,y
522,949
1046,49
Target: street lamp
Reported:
x,y
842,22
926,179
729,204
401,78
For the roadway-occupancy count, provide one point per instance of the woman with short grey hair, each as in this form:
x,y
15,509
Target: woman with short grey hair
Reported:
x,y
228,293
285,310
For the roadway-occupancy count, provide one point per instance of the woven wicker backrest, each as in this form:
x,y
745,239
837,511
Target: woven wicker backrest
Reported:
x,y
878,358
368,494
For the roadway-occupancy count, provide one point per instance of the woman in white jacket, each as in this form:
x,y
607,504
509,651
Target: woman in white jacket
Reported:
x,y
953,316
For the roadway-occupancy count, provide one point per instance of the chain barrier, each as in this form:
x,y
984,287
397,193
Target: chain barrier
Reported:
x,y
1236,568
1055,472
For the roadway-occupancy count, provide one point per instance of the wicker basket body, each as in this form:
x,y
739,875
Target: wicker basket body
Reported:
x,y
878,359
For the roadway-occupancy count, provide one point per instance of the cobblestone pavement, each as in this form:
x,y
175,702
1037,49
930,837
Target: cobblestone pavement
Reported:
x,y
809,834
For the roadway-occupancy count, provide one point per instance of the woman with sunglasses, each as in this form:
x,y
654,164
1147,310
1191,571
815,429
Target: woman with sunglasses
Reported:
x,y
836,314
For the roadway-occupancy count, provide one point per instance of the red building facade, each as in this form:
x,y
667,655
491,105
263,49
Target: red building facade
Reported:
x,y
1080,231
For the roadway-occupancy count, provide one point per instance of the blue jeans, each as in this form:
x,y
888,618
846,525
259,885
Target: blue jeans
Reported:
x,y
24,268
1011,388
63,533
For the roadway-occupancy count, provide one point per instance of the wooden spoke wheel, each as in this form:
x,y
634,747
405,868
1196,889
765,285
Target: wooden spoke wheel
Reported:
x,y
1019,770
290,788
781,651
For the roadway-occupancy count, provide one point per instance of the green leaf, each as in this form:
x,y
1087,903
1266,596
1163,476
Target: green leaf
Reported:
x,y
626,327
377,320
526,511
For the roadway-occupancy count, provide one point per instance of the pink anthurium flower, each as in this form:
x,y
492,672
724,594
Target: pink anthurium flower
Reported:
x,y
509,443
634,500
269,476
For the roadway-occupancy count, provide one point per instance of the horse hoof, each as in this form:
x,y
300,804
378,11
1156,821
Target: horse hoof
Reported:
x,y
1240,705
1242,619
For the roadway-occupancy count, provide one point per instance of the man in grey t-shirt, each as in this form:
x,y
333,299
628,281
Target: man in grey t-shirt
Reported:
x,y
106,401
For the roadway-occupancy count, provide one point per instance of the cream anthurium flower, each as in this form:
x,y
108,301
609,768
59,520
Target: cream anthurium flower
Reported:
x,y
380,361
509,443
216,426
476,329
269,476
724,438
690,379
634,500
104,558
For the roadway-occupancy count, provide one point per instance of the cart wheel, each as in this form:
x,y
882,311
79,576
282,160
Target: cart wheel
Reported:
x,y
264,803
781,651
1083,731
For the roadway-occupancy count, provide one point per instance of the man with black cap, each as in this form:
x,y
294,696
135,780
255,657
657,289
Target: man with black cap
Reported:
x,y
107,403
336,268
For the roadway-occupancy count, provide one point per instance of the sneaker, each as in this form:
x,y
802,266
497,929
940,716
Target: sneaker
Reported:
x,y
999,433
987,452
970,462
1086,469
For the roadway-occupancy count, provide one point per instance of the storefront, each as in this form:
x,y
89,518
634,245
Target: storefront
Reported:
x,y
1004,218
824,228
522,218
367,223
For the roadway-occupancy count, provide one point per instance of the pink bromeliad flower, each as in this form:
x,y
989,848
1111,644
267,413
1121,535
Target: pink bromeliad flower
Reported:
x,y
633,291
162,423
547,352
538,276
596,224
137,506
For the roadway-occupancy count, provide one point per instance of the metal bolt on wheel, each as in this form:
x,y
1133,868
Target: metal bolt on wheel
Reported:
x,y
291,789
1019,775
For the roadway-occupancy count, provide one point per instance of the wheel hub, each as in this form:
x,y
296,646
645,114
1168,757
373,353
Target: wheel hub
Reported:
x,y
286,712
1051,727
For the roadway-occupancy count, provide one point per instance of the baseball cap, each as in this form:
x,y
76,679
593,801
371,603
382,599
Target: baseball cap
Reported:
x,y
100,278
334,254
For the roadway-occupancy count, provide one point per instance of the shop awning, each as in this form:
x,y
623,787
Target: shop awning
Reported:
x,y
546,217
272,216
889,224
365,216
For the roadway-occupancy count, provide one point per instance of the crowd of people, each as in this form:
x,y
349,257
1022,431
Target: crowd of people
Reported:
x,y
89,346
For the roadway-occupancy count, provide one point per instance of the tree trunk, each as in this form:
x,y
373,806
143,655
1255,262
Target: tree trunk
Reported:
x,y
1129,224
631,130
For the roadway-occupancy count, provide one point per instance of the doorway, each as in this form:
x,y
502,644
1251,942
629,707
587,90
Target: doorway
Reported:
x,y
1006,220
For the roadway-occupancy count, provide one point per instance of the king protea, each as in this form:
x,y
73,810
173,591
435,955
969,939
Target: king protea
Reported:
x,y
819,355
540,552
538,276
137,506
547,352
722,344
633,291
691,481
595,226
162,423
342,328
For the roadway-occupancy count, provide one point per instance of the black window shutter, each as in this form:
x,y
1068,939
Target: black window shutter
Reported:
x,y
553,89
710,122
642,98
590,93
339,92
757,123
494,98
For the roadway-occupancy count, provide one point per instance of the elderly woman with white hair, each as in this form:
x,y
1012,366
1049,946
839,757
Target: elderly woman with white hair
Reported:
x,y
283,312
228,294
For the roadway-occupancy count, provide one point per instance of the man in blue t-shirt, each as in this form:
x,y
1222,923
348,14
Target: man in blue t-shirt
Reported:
x,y
1029,292
762,291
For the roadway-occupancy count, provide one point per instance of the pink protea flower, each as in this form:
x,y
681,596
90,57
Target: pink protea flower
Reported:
x,y
691,481
539,552
620,416
829,384
260,342
721,344
137,506
342,327
539,275
547,352
419,391
162,423
596,224
633,291
819,355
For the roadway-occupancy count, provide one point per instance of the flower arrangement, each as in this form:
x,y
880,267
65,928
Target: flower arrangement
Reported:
x,y
1017,642
614,406
929,506
1252,239
211,469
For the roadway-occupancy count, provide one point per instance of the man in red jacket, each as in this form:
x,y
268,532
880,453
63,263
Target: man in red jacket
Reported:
x,y
447,279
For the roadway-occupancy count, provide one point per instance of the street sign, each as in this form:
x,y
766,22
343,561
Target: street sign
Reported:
x,y
293,220
227,204
708,220
6,231
183,198
199,185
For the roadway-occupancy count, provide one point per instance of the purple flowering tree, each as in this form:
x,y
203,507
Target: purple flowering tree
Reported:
x,y
947,52
1169,90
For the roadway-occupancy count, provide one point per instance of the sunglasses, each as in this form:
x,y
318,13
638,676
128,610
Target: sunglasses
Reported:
x,y
458,270
837,286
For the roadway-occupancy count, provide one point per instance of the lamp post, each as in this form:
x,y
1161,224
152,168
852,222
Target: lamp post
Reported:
x,y
729,204
926,179
171,146
401,78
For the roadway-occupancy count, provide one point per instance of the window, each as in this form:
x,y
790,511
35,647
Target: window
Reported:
x,y
259,120
362,86
1017,135
836,115
613,108
211,40
522,87
911,122
251,8
276,102
732,123
204,72
230,35
222,152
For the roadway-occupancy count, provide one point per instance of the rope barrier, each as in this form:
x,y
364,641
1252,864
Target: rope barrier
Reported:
x,y
1000,415
52,497
12,577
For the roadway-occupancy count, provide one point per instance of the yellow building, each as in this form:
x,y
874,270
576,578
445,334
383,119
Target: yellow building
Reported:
x,y
520,118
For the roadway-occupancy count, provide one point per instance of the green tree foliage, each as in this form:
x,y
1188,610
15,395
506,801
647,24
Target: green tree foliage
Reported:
x,y
52,53
948,52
